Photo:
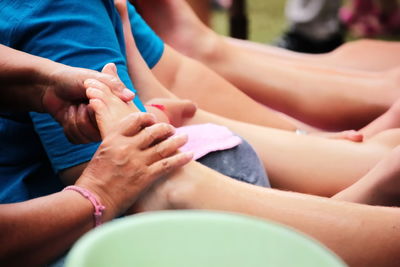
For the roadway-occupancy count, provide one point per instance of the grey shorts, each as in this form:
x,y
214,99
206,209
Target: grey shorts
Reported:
x,y
241,163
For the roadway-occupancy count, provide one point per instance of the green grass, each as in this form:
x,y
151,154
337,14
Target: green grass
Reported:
x,y
266,20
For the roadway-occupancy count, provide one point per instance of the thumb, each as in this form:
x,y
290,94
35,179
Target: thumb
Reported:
x,y
116,85
101,114
111,69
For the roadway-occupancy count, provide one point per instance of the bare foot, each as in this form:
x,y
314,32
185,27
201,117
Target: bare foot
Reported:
x,y
102,99
179,189
177,24
178,111
175,111
380,186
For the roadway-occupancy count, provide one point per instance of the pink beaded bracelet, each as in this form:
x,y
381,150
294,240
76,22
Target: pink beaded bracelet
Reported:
x,y
98,207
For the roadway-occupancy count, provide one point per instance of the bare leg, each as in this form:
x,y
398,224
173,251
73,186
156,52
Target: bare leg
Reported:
x,y
202,9
389,120
309,164
361,235
380,186
182,30
291,160
348,99
366,55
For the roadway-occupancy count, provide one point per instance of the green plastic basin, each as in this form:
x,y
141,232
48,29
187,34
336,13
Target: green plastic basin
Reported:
x,y
197,239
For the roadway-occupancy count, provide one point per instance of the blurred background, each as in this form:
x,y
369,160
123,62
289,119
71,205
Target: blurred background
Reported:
x,y
266,20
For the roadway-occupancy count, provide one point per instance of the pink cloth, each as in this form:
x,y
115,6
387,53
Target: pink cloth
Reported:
x,y
206,138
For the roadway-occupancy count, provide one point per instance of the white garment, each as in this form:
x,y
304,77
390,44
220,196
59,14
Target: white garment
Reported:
x,y
316,19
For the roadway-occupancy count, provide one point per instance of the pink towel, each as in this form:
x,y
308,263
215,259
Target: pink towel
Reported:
x,y
206,138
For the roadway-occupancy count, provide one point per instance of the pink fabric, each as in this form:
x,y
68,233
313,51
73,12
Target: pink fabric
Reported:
x,y
206,138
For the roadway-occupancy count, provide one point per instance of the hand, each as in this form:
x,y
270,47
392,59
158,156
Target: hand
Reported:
x,y
65,99
135,153
177,111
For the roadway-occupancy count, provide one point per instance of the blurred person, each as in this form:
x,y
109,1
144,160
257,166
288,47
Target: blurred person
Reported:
x,y
314,26
372,18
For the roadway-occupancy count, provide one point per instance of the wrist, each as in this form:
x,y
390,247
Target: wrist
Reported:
x,y
47,77
110,211
98,207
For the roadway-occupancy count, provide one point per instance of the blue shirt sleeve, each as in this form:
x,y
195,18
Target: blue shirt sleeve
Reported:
x,y
78,33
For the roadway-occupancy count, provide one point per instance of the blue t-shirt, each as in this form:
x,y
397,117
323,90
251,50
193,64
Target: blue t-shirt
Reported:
x,y
78,33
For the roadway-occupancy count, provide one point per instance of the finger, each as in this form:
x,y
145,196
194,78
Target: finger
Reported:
x,y
102,116
169,164
166,148
85,125
116,85
101,91
135,122
71,129
154,134
110,68
350,135
354,136
92,83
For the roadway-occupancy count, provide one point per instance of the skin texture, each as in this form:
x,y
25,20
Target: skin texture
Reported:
x,y
278,148
352,95
30,83
135,152
281,206
335,223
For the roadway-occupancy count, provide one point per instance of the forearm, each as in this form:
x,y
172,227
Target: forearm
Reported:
x,y
23,79
38,231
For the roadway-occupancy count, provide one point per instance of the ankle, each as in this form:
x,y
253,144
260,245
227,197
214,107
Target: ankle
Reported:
x,y
209,47
180,188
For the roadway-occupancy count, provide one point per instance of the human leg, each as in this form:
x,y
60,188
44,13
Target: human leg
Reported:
x,y
240,162
365,55
309,164
336,224
277,148
191,80
380,186
202,9
348,99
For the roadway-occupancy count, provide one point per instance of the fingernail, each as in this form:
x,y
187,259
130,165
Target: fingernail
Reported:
x,y
189,154
114,67
181,136
128,94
